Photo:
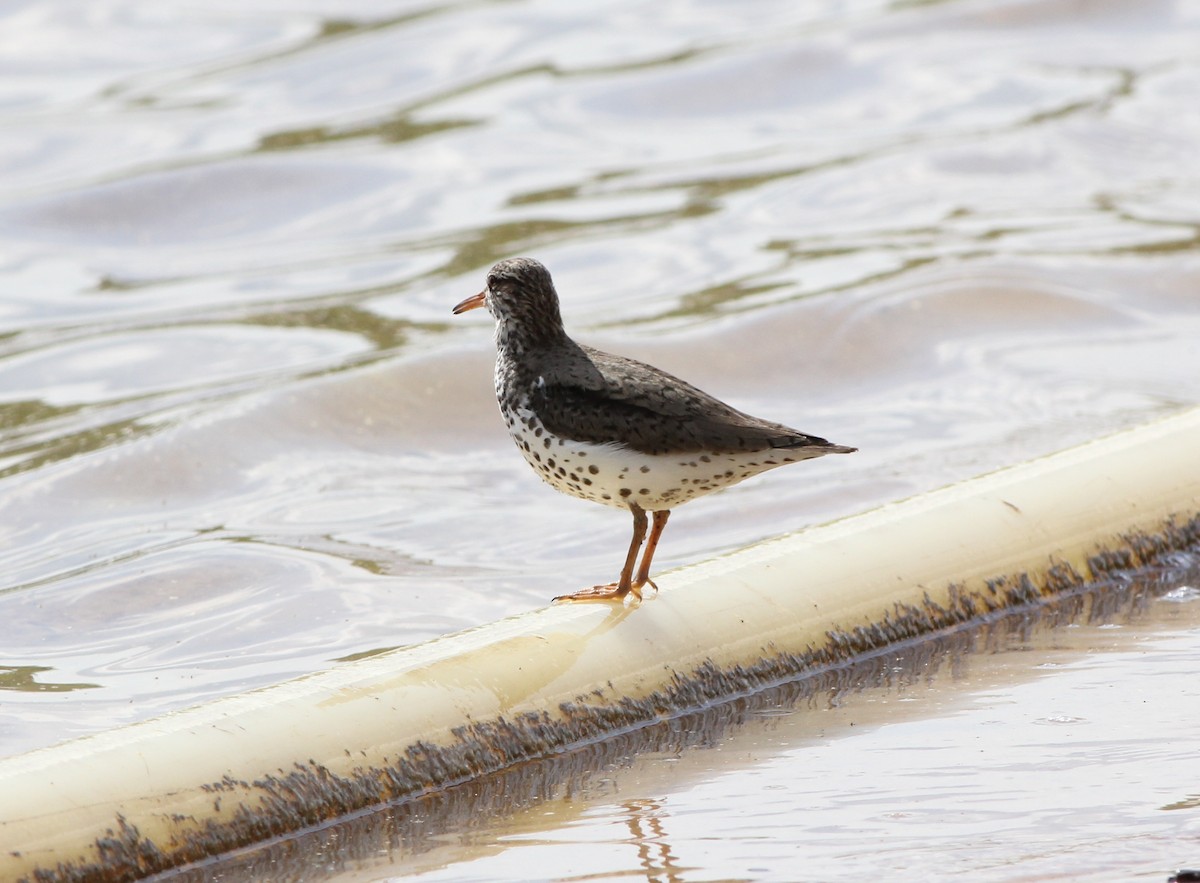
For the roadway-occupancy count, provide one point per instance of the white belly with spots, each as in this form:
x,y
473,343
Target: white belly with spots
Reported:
x,y
616,476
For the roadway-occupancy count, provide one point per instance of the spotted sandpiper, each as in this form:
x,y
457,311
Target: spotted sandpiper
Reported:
x,y
614,430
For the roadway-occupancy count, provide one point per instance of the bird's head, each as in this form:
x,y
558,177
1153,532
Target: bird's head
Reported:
x,y
520,296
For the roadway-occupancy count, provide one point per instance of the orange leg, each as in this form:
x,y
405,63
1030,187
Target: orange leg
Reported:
x,y
643,575
625,585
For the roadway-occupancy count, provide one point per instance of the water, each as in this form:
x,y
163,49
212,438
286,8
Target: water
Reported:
x,y
242,437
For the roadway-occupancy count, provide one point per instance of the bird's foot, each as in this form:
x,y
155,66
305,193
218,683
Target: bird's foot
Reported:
x,y
640,588
606,592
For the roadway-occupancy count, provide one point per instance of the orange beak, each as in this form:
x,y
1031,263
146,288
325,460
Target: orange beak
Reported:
x,y
475,300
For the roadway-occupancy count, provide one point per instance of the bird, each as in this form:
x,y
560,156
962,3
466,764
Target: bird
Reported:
x,y
613,430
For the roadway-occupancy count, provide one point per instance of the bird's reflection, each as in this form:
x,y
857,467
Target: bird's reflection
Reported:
x,y
644,819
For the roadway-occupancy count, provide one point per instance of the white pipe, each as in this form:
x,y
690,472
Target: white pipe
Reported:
x,y
197,782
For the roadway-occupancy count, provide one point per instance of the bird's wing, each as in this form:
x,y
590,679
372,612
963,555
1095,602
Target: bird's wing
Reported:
x,y
608,398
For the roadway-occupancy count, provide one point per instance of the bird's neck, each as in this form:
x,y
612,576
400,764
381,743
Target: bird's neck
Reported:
x,y
520,361
522,340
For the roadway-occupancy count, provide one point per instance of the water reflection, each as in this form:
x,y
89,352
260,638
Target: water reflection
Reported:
x,y
25,678
647,831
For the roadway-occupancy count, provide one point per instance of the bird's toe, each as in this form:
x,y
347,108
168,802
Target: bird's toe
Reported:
x,y
606,592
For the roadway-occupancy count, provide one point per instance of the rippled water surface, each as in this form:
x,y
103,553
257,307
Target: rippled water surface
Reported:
x,y
241,435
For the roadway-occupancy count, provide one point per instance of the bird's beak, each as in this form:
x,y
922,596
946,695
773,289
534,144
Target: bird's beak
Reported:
x,y
475,300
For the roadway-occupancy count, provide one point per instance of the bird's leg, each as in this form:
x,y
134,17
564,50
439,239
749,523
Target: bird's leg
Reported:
x,y
643,574
626,584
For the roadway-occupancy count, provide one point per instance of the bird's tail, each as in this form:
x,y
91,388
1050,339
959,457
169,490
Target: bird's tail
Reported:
x,y
811,441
